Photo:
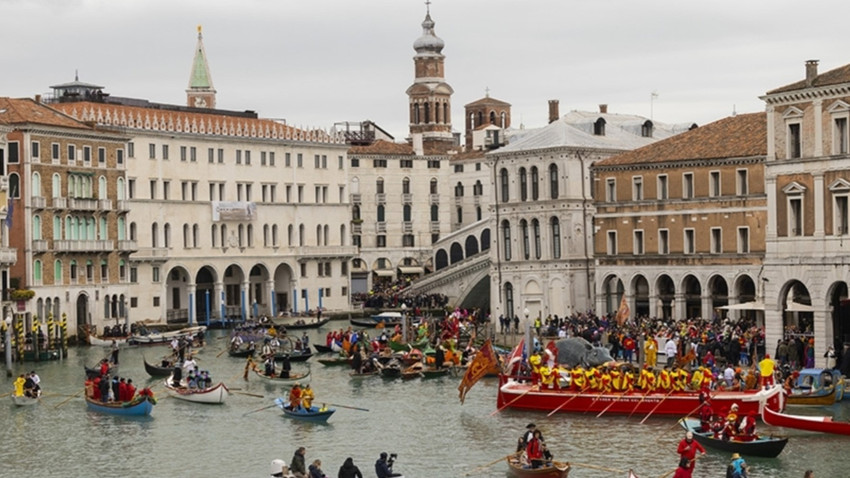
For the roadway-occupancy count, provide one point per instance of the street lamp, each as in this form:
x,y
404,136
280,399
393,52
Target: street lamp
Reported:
x,y
8,339
404,320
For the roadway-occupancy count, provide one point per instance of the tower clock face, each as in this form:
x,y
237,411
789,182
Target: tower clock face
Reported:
x,y
200,102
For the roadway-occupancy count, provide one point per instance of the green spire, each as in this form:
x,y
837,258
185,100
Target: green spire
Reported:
x,y
200,78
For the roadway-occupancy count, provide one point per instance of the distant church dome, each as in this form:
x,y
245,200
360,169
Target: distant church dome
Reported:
x,y
428,42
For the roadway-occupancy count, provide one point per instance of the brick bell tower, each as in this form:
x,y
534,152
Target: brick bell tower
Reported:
x,y
430,97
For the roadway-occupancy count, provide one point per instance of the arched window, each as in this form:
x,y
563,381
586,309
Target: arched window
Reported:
x,y
185,236
57,228
471,120
69,228
166,241
265,235
478,213
91,233
509,300
213,234
506,238
319,235
101,187
240,232
355,212
290,231
523,185
405,186
556,237
445,112
553,181
535,184
503,120
103,232
436,112
459,189
523,226
599,127
275,238
249,231
224,235
381,212
503,183
301,235
36,185
195,235
492,117
406,213
480,118
416,116
36,271
342,235
14,186
57,272
433,188
36,228
154,235
435,213
379,186
57,186
427,112
326,232
119,187
535,232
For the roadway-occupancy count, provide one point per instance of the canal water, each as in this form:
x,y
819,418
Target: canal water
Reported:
x,y
421,420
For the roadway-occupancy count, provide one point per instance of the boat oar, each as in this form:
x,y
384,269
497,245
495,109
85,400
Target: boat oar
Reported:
x,y
69,398
594,401
250,394
488,465
219,354
595,467
567,401
692,412
612,403
346,406
260,409
5,395
639,402
512,401
656,407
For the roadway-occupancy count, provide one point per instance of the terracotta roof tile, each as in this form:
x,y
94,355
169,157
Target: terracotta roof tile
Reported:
x,y
487,101
832,77
24,110
383,147
738,136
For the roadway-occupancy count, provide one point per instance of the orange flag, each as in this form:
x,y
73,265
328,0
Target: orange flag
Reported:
x,y
485,361
623,311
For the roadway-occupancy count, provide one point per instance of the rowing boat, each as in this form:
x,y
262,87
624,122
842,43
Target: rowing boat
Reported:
x,y
157,371
293,377
555,469
312,414
215,394
336,361
25,401
760,445
165,337
803,422
140,406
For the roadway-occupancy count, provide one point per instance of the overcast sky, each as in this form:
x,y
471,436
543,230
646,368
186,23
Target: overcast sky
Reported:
x,y
317,62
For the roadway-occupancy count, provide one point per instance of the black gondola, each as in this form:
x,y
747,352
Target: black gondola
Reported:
x,y
243,353
305,325
323,349
156,371
295,355
766,446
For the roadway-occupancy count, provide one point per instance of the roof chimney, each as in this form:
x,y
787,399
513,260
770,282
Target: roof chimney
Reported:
x,y
603,109
811,71
554,114
38,99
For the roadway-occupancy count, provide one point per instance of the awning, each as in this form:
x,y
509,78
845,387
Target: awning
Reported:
x,y
798,307
411,269
756,305
384,273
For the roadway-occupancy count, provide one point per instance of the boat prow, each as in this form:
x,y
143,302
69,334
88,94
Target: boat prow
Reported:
x,y
819,424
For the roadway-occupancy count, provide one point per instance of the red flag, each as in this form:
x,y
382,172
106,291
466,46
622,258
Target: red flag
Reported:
x,y
485,361
623,311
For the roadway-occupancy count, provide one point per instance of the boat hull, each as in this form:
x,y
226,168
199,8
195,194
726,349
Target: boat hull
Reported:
x,y
764,446
214,395
312,414
816,398
809,423
141,408
106,341
306,325
553,470
24,401
155,371
292,378
524,396
295,356
165,337
334,362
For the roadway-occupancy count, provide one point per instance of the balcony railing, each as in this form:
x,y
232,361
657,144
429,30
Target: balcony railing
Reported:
x,y
39,202
83,246
407,198
123,205
357,228
435,226
39,245
104,204
381,198
81,204
326,251
407,227
381,227
128,246
435,199
356,198
8,256
60,203
150,254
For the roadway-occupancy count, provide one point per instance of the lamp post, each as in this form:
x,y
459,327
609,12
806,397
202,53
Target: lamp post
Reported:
x,y
404,321
8,338
528,345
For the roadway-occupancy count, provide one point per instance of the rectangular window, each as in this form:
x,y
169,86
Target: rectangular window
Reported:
x,y
303,269
663,241
610,190
612,243
714,184
156,301
247,157
340,162
239,187
743,240
119,156
379,163
248,192
324,161
271,158
131,150
433,164
688,186
104,271
840,144
153,188
134,275
238,156
742,187
193,154
795,216
166,189
716,240
87,154
458,168
287,160
355,163
220,155
300,193
262,158
316,161
637,188
300,160
72,153
794,141
841,217
151,151
381,241
131,188
210,155
35,150
155,273
288,193
343,268
663,189
406,163
165,152
184,190
54,151
690,242
638,242
101,155
13,151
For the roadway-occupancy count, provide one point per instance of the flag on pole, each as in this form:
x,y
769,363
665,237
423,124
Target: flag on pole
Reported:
x,y
623,311
484,361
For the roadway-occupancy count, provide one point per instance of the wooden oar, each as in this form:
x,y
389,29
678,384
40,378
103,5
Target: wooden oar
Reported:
x,y
567,401
691,412
5,395
346,406
612,403
250,394
594,401
639,402
219,354
260,409
512,401
488,465
69,398
656,407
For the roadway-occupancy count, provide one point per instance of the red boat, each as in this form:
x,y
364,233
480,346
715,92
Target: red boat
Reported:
x,y
526,396
802,422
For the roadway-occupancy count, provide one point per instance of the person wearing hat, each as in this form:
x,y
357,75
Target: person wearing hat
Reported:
x,y
688,449
738,467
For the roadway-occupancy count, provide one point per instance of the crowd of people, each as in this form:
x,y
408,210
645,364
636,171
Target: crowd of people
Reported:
x,y
28,385
106,387
298,467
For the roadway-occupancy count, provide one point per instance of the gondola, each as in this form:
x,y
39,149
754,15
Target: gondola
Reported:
x,y
213,395
165,338
140,406
336,361
765,446
370,373
435,372
306,325
242,353
157,371
312,414
92,372
811,382
817,397
555,469
323,349
295,355
293,377
801,422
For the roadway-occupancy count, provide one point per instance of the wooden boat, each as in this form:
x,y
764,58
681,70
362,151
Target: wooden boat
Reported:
x,y
370,373
766,446
140,406
242,353
336,361
811,397
818,381
162,338
25,401
215,394
295,325
412,372
157,371
435,372
555,469
386,319
295,355
106,341
801,422
312,414
521,394
92,372
293,377
407,346
323,349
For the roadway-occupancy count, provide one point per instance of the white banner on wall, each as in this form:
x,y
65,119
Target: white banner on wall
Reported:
x,y
233,211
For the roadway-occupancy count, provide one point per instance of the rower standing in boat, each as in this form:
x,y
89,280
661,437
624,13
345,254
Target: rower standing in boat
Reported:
x,y
688,449
307,396
114,354
285,367
534,450
295,396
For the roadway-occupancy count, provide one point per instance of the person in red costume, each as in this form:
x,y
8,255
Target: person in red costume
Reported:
x,y
688,449
534,450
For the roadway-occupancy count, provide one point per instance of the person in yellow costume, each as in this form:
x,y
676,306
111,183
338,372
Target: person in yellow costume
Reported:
x,y
546,376
628,380
663,382
766,367
696,378
577,378
605,380
681,380
19,386
307,396
534,361
593,377
617,380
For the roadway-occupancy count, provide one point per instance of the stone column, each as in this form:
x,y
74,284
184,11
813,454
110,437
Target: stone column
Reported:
x,y
192,289
818,206
217,301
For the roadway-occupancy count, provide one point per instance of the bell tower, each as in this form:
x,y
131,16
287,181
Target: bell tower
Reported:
x,y
201,93
430,97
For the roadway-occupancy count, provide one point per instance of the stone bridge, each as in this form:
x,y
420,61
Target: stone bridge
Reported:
x,y
461,268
